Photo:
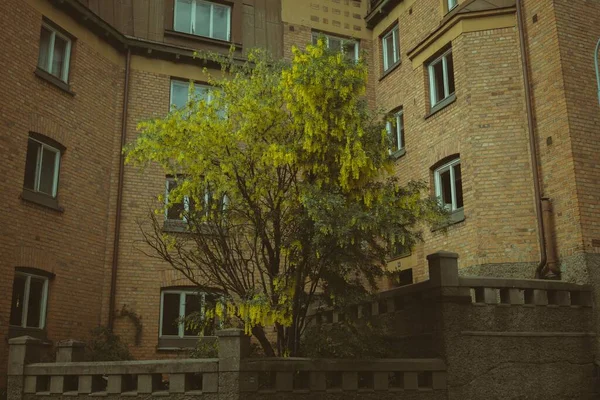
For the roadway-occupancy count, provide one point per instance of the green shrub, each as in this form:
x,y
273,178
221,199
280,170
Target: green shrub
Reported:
x,y
106,346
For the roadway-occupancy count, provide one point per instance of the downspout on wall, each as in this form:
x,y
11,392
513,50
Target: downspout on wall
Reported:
x,y
547,268
117,233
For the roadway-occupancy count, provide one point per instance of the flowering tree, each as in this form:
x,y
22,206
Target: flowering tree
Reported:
x,y
290,195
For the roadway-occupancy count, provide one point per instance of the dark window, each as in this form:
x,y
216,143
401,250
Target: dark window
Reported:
x,y
441,78
175,210
170,314
29,298
390,44
193,305
179,305
395,130
448,185
54,52
42,165
18,299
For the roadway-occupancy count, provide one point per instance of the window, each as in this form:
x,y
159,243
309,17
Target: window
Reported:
x,y
203,18
55,52
348,47
395,129
180,93
399,250
175,211
441,78
452,4
448,185
41,167
391,48
30,294
177,305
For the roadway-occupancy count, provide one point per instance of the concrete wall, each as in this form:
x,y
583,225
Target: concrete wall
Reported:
x,y
500,338
231,376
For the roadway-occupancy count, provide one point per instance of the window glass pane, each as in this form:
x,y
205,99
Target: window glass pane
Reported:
x,y
175,210
389,49
18,296
58,60
315,38
438,78
192,305
406,277
446,190
349,49
34,307
396,47
335,44
31,164
220,22
179,93
44,48
458,186
47,171
201,92
400,129
183,16
170,314
450,77
202,26
391,129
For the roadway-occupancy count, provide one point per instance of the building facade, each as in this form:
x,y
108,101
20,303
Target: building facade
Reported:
x,y
454,75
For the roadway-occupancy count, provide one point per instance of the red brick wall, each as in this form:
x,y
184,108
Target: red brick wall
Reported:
x,y
70,244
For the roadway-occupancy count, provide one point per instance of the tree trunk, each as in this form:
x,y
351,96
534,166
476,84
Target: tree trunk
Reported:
x,y
259,334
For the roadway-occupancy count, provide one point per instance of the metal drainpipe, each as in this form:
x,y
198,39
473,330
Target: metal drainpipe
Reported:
x,y
597,68
532,144
115,257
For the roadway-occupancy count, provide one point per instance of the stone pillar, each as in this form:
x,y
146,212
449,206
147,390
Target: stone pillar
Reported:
x,y
233,346
21,351
70,351
443,268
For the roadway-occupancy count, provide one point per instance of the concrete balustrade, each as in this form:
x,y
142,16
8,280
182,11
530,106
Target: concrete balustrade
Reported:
x,y
456,337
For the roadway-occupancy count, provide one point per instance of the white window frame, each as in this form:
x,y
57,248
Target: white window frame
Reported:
x,y
432,82
64,74
210,29
44,300
451,4
182,299
394,35
438,184
38,166
186,201
343,41
398,126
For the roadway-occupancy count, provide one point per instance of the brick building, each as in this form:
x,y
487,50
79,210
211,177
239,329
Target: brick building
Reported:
x,y
80,75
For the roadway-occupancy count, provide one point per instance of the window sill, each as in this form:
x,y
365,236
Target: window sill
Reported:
x,y
390,70
441,105
456,217
398,153
399,257
16,331
205,39
175,226
65,87
41,199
